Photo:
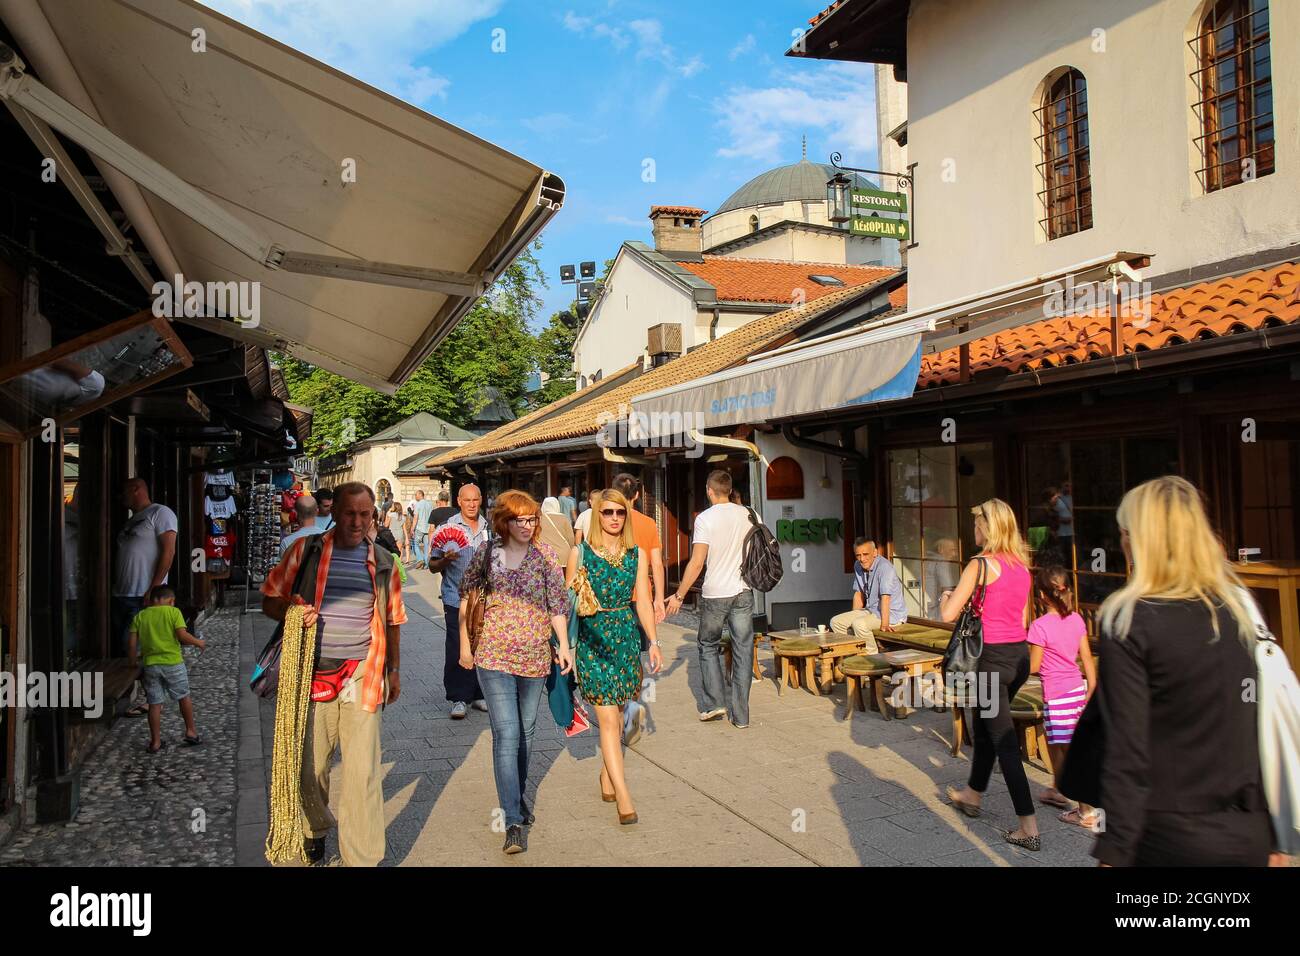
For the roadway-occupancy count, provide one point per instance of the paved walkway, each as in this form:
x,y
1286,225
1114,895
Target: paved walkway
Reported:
x,y
799,787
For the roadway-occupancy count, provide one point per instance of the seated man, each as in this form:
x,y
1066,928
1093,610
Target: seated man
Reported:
x,y
878,602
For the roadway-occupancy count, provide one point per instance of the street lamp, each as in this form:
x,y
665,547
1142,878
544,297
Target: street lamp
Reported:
x,y
584,287
837,198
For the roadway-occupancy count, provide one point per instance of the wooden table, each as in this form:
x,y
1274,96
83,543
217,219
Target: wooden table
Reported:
x,y
913,664
1283,578
834,647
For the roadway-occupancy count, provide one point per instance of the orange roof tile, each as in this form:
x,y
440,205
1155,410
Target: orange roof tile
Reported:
x,y
1261,299
677,211
772,280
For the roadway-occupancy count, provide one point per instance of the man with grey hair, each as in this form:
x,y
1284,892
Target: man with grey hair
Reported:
x,y
453,547
305,509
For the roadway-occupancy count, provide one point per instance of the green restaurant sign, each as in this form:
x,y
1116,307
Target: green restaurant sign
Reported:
x,y
878,200
809,530
875,226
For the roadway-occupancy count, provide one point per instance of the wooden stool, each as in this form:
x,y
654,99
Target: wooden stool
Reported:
x,y
1027,714
794,655
726,656
870,668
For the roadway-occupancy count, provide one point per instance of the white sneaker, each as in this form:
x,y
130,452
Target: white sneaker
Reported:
x,y
459,710
713,714
480,704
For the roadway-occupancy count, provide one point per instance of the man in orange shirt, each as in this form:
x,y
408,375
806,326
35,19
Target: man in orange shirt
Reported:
x,y
646,535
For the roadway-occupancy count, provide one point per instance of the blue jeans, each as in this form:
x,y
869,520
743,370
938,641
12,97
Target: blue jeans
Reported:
x,y
738,613
512,710
419,542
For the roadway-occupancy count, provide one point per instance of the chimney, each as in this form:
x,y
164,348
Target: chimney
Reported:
x,y
676,228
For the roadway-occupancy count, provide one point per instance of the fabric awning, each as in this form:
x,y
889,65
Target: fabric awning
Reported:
x,y
361,277
872,365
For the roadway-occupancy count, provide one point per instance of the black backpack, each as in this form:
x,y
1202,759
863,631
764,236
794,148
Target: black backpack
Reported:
x,y
760,566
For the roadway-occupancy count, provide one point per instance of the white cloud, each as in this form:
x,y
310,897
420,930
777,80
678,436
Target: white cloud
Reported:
x,y
378,47
648,34
589,26
628,221
743,47
765,123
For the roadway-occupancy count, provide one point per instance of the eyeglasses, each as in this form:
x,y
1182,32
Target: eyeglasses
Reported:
x,y
525,522
614,512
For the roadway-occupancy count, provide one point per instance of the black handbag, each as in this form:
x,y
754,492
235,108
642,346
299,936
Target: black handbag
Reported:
x,y
967,642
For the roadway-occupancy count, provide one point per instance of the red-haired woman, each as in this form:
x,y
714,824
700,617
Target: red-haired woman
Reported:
x,y
528,602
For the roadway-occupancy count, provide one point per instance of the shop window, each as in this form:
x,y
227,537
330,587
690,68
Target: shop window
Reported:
x,y
784,479
1073,489
931,492
1235,85
1270,487
1065,168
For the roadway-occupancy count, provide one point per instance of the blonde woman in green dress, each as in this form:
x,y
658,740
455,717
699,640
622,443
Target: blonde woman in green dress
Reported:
x,y
608,654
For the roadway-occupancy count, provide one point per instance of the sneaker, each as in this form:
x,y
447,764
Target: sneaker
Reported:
x,y
314,847
480,704
514,840
739,726
459,710
713,714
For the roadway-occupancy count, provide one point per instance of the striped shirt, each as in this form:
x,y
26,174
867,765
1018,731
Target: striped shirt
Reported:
x,y
348,605
279,583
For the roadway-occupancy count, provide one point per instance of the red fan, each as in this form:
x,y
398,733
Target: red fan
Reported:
x,y
449,534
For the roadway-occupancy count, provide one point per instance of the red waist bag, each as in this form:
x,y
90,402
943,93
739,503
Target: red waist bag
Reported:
x,y
327,680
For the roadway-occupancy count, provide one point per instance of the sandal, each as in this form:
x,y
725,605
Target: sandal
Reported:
x,y
139,710
1075,818
192,741
1054,798
967,808
151,749
1025,842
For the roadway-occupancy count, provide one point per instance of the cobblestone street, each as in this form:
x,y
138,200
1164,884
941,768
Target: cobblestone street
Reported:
x,y
799,787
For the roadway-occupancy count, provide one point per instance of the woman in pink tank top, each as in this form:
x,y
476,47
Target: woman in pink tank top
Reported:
x,y
1003,667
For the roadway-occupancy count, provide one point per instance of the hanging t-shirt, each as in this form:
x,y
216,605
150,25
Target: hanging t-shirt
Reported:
x,y
218,525
219,509
219,478
220,492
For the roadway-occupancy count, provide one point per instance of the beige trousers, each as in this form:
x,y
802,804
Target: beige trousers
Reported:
x,y
861,624
341,723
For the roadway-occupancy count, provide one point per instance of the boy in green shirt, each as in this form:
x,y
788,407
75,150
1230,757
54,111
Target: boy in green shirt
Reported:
x,y
159,631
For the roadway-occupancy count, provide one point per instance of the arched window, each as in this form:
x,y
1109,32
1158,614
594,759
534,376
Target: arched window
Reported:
x,y
1235,81
1065,169
753,224
784,479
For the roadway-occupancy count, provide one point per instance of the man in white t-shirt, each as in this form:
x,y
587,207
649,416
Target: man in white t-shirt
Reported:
x,y
718,548
146,547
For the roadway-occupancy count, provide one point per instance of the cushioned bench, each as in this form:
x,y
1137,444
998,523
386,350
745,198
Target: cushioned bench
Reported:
x,y
922,637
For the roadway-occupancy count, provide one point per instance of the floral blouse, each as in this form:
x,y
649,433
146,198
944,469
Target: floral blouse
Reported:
x,y
517,622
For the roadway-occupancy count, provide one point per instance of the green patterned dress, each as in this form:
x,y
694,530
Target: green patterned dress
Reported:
x,y
608,655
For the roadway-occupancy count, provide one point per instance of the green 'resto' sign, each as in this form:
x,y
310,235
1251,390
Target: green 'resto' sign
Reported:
x,y
878,200
809,530
875,226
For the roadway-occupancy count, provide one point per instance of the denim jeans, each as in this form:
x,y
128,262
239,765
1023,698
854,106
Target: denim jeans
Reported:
x,y
121,613
738,613
512,710
460,685
419,547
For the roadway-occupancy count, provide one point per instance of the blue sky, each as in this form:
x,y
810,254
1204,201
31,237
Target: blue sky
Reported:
x,y
592,90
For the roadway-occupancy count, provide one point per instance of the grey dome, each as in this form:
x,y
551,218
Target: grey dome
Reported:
x,y
803,180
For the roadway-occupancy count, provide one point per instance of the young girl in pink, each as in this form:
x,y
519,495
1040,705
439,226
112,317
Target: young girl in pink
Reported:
x,y
1058,639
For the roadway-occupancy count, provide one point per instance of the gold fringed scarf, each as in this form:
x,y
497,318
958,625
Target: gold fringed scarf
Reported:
x,y
284,840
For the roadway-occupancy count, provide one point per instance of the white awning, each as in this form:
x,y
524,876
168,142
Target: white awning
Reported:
x,y
876,364
247,144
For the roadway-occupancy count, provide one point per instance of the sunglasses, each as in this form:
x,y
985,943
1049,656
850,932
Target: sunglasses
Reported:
x,y
614,512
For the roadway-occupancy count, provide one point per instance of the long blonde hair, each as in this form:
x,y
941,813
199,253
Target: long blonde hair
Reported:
x,y
1176,555
1001,533
596,534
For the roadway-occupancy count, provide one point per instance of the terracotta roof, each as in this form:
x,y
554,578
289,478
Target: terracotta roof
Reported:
x,y
1261,299
899,296
677,211
585,418
818,17
775,280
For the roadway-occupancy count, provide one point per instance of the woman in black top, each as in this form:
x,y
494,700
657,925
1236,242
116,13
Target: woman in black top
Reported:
x,y
1180,779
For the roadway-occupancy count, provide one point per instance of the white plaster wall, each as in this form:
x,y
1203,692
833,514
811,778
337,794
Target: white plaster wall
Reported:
x,y
823,578
976,69
796,245
636,298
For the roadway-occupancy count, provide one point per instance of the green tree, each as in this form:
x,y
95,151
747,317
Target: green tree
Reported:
x,y
555,357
